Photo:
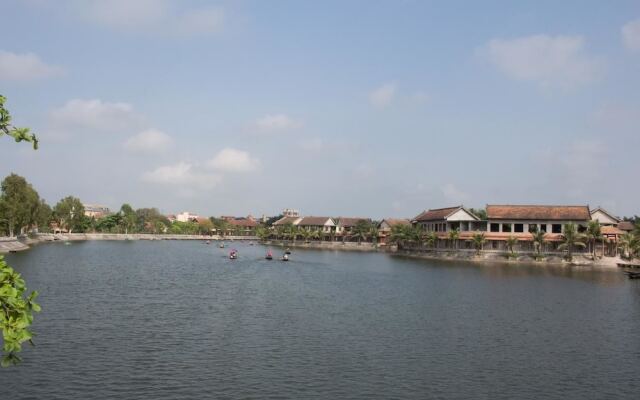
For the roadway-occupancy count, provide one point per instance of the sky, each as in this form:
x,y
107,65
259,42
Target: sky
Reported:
x,y
340,108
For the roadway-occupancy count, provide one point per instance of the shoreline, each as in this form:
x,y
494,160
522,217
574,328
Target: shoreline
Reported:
x,y
13,245
16,244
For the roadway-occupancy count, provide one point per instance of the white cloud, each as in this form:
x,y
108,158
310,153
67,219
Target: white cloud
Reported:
x,y
550,61
232,160
149,141
383,96
276,123
152,16
79,115
453,194
631,35
25,67
181,174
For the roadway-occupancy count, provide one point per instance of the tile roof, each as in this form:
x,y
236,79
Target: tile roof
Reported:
x,y
286,220
436,214
249,223
536,212
314,221
626,226
611,230
396,221
348,222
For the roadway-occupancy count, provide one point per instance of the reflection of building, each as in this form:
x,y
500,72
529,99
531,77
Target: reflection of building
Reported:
x,y
95,211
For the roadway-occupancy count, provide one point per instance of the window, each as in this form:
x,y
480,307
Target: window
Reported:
x,y
543,227
495,227
533,228
518,228
556,228
506,227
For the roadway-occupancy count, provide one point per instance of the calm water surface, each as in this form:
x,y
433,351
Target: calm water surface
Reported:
x,y
177,320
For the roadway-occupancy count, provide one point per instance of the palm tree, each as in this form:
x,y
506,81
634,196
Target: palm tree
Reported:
x,y
593,235
293,232
511,242
373,233
479,240
262,233
571,238
317,234
361,230
279,232
430,238
538,237
305,234
629,244
399,234
453,238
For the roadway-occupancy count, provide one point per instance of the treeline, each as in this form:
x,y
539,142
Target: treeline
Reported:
x,y
22,210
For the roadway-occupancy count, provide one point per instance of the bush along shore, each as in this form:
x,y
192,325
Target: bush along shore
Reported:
x,y
15,244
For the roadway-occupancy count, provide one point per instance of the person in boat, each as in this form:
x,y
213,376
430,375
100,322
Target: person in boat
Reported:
x,y
269,255
287,251
285,257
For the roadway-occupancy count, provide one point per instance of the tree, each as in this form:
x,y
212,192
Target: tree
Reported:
x,y
221,225
150,220
128,218
629,243
511,242
361,230
593,234
478,241
19,203
43,216
205,226
16,311
317,234
538,237
18,134
571,239
430,238
453,236
262,233
400,234
69,214
479,212
305,234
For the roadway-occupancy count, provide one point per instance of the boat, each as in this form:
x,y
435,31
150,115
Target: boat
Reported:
x,y
233,254
285,257
287,251
208,242
269,256
221,245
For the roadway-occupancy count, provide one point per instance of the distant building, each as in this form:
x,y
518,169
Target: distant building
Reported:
x,y
290,212
323,224
241,226
96,211
287,220
187,217
386,225
344,226
449,219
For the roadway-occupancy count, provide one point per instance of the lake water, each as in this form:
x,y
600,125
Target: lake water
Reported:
x,y
178,320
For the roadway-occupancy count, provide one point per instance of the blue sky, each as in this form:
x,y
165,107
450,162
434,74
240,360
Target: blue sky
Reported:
x,y
377,108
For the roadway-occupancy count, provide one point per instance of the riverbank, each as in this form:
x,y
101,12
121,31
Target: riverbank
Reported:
x,y
349,246
581,260
11,245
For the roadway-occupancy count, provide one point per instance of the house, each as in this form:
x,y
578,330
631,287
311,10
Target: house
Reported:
x,y
528,218
386,225
449,219
290,212
604,218
626,226
242,226
323,224
96,211
346,225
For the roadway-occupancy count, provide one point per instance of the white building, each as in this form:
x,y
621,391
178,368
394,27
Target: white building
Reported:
x,y
186,217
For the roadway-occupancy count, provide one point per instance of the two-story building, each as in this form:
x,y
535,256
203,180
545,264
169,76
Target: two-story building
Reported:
x,y
449,219
326,225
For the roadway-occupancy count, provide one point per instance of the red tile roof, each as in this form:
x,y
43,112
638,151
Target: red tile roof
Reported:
x,y
544,213
437,214
626,226
348,222
285,221
248,223
313,221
